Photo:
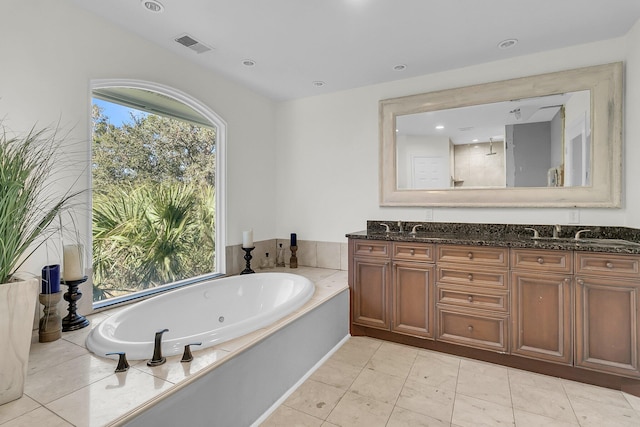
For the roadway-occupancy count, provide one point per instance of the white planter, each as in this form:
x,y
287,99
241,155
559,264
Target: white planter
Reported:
x,y
17,308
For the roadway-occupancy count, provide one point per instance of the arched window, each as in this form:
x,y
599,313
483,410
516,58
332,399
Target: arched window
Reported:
x,y
157,170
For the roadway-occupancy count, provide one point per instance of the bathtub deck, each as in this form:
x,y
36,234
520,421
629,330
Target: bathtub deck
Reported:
x,y
68,386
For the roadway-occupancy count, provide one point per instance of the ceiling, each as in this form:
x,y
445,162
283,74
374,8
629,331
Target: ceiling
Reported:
x,y
352,43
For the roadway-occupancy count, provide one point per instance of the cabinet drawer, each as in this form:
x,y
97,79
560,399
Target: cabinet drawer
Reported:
x,y
413,251
371,248
549,261
473,255
472,277
473,330
470,297
608,264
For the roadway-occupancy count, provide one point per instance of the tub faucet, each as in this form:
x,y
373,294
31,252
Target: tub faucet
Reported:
x,y
157,350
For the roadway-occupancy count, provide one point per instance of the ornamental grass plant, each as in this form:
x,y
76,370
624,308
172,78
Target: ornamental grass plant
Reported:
x,y
29,199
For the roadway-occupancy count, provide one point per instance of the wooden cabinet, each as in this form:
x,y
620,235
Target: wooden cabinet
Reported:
x,y
472,289
412,298
371,284
541,302
607,303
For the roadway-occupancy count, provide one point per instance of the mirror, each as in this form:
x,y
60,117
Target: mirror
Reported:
x,y
546,140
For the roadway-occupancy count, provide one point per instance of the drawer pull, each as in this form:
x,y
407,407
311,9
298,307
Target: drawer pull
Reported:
x,y
370,248
470,298
470,255
609,264
470,328
540,260
412,252
470,276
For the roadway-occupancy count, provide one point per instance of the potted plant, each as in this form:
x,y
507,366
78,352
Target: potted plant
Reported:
x,y
28,207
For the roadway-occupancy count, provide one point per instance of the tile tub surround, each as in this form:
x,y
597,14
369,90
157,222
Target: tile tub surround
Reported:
x,y
369,382
68,386
502,235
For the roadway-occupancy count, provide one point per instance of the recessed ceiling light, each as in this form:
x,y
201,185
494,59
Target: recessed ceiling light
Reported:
x,y
474,140
248,62
399,67
153,6
318,83
440,127
506,44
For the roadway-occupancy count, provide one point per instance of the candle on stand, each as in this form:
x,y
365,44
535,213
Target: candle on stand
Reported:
x,y
294,239
51,279
73,263
247,239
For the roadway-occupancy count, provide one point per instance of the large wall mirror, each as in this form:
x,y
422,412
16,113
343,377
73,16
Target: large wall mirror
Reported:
x,y
546,140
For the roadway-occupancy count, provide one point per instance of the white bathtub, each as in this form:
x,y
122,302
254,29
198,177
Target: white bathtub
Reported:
x,y
210,312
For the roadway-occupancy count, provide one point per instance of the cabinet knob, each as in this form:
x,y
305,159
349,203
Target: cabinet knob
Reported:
x,y
470,276
412,252
470,328
609,264
580,282
470,255
567,280
470,298
370,248
540,260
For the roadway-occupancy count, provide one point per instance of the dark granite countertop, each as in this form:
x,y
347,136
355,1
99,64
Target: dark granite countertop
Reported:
x,y
620,240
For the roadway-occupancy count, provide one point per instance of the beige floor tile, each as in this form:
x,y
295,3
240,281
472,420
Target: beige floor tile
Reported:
x,y
436,370
601,414
538,381
357,351
549,403
315,398
377,385
404,418
472,412
634,401
596,394
424,399
38,417
484,381
18,407
46,355
355,410
286,416
527,419
52,383
393,359
336,373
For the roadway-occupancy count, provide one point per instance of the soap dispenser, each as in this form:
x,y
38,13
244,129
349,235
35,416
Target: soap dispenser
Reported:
x,y
280,256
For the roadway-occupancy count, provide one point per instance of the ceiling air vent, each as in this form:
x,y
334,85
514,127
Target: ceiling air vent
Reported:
x,y
193,44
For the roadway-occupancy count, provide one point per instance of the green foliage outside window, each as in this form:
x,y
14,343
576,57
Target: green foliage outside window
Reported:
x,y
153,203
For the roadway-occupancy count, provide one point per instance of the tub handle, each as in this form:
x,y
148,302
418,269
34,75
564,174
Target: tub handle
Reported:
x,y
123,365
187,356
157,350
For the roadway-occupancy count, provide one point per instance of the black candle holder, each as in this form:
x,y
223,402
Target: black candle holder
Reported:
x,y
73,321
247,257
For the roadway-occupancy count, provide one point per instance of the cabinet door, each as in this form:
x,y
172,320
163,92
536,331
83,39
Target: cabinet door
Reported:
x,y
412,296
541,316
607,325
370,305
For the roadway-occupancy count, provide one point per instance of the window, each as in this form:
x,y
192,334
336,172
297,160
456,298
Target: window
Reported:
x,y
156,192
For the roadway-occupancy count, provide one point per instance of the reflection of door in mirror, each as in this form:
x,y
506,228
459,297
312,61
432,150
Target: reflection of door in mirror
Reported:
x,y
578,152
424,161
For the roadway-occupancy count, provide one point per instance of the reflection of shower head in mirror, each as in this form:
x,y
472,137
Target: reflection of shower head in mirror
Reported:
x,y
491,152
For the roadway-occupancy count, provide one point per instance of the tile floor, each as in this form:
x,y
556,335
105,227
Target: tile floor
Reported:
x,y
371,383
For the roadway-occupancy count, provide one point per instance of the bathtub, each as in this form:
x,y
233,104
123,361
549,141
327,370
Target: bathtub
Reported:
x,y
210,312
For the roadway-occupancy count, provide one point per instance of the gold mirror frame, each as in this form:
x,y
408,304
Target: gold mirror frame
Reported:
x,y
605,85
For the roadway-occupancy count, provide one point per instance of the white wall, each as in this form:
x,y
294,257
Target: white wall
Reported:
x,y
328,148
50,52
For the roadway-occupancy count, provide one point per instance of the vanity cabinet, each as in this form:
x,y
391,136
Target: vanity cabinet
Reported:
x,y
607,303
541,300
412,289
473,296
371,283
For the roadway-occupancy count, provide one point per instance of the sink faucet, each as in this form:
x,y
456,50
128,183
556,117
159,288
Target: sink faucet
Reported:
x,y
386,227
556,231
157,350
415,227
400,227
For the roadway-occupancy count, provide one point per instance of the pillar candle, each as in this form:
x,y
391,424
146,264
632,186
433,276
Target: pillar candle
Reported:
x,y
51,279
73,262
247,239
294,239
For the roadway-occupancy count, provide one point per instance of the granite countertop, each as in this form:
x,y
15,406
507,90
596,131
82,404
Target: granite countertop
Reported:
x,y
598,239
